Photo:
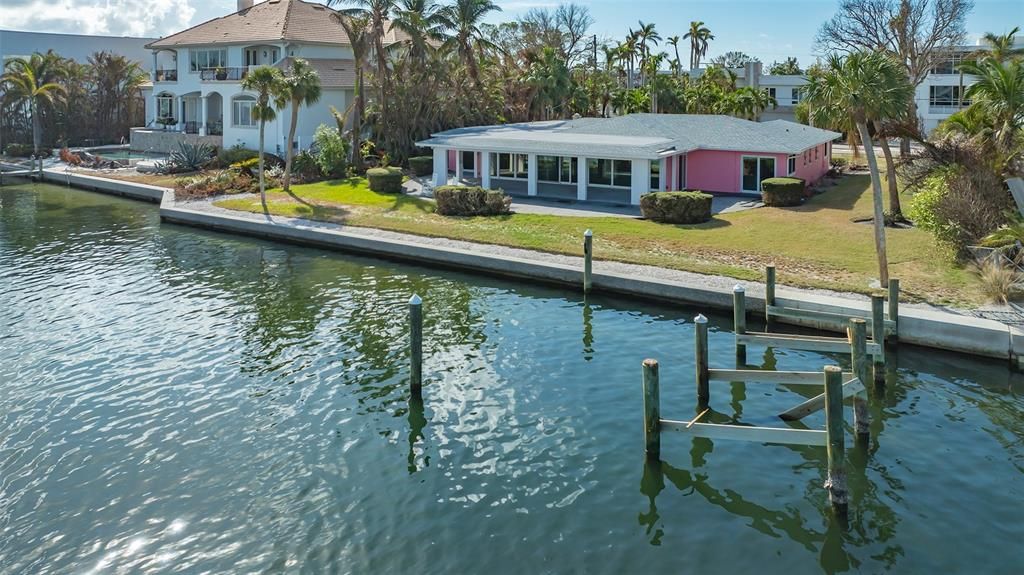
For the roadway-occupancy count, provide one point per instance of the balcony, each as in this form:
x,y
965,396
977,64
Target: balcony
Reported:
x,y
234,74
170,75
947,107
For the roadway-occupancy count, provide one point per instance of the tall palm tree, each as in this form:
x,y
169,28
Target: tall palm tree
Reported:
x,y
464,19
422,22
867,87
357,28
1003,45
377,12
627,51
35,83
646,37
117,83
551,81
267,82
299,87
699,36
674,42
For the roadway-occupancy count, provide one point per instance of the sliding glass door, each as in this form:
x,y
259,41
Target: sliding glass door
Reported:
x,y
754,170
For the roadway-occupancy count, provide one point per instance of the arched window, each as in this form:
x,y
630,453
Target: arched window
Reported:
x,y
241,111
164,106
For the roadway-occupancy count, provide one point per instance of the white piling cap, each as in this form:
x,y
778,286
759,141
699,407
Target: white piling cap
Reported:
x,y
588,233
738,288
415,300
700,319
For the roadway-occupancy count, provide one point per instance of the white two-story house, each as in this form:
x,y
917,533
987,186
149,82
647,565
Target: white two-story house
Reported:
x,y
197,76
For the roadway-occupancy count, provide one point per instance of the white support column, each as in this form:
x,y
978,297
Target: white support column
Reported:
x,y
640,180
531,175
203,102
477,158
458,165
154,71
180,102
485,170
663,173
581,178
440,166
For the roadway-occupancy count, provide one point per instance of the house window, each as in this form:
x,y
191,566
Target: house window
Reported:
x,y
514,166
791,168
570,170
755,169
164,106
815,153
242,112
468,161
798,95
945,96
771,92
556,169
622,175
949,65
207,59
656,175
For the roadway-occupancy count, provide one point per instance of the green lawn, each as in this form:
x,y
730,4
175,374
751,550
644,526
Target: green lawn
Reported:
x,y
814,245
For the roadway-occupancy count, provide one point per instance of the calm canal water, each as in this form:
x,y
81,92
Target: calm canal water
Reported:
x,y
174,401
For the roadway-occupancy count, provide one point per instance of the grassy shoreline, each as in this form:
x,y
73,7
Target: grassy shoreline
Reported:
x,y
817,245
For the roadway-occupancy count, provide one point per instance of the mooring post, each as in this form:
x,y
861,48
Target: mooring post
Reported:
x,y
769,289
894,306
588,254
862,370
652,409
739,321
703,395
415,345
836,482
878,335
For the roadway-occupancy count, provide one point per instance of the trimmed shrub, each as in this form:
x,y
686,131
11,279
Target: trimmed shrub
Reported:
x,y
691,207
25,150
782,192
385,180
471,201
422,165
839,163
214,183
249,167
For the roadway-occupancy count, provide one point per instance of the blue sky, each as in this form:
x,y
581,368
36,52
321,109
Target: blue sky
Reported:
x,y
768,30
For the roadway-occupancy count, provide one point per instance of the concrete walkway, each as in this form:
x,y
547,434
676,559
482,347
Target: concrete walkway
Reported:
x,y
721,204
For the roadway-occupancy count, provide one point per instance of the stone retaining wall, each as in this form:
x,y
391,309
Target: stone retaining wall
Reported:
x,y
150,140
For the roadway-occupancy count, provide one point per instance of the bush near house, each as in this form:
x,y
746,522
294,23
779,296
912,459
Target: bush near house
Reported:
x,y
782,192
330,151
421,165
385,180
24,151
839,163
689,207
305,168
471,201
235,154
249,167
215,183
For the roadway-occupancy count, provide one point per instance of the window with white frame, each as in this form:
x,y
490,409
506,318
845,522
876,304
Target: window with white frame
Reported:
x,y
791,167
164,106
199,60
616,173
512,166
242,112
771,92
556,169
798,95
656,175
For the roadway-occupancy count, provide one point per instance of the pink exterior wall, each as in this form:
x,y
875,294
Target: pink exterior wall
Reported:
x,y
719,171
451,160
670,164
811,170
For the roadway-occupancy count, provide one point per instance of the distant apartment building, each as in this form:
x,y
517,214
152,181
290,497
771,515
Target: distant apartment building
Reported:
x,y
78,47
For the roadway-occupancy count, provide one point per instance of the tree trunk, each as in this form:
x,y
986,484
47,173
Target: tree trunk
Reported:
x,y
879,218
263,191
357,124
291,144
895,210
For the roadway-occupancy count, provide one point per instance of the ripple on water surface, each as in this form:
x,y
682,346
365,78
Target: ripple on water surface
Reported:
x,y
178,401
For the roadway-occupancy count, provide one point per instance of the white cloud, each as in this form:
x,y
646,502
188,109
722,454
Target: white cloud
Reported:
x,y
102,17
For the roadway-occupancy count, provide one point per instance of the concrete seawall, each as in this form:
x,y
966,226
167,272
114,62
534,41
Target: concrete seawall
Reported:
x,y
919,326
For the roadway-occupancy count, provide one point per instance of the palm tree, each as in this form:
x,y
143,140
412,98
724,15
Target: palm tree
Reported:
x,y
357,28
299,87
699,36
377,12
267,82
422,22
866,87
674,42
33,82
646,37
464,18
999,90
1002,45
551,81
117,82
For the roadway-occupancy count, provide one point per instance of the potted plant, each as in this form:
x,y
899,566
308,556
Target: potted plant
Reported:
x,y
220,73
166,121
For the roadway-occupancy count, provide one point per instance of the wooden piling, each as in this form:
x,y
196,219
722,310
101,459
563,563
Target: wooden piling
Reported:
x,y
701,339
836,482
739,322
861,369
652,409
588,253
894,306
415,345
769,289
878,335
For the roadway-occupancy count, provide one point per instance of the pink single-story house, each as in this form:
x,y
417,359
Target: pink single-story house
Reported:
x,y
619,159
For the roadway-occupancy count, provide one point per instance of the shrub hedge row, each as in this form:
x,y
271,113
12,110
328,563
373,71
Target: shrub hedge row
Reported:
x,y
385,180
689,207
782,192
471,201
421,165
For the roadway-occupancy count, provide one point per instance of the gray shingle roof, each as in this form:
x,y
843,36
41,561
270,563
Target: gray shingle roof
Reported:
x,y
333,72
637,136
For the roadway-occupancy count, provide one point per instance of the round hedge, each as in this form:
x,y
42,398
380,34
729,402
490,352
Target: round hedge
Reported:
x,y
385,180
471,201
676,207
782,192
422,165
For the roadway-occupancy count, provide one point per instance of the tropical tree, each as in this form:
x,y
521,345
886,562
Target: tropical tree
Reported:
x,y
733,59
1003,46
646,37
789,67
867,87
299,87
33,83
422,22
699,36
116,84
674,42
999,91
267,83
464,19
377,12
551,81
357,28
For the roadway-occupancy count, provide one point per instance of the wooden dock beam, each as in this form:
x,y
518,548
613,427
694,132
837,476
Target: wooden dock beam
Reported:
x,y
859,358
703,395
894,307
878,335
769,290
415,345
836,482
588,255
739,321
652,409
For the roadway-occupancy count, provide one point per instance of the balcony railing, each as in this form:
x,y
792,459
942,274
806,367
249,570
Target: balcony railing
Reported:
x,y
166,75
234,74
950,108
214,128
